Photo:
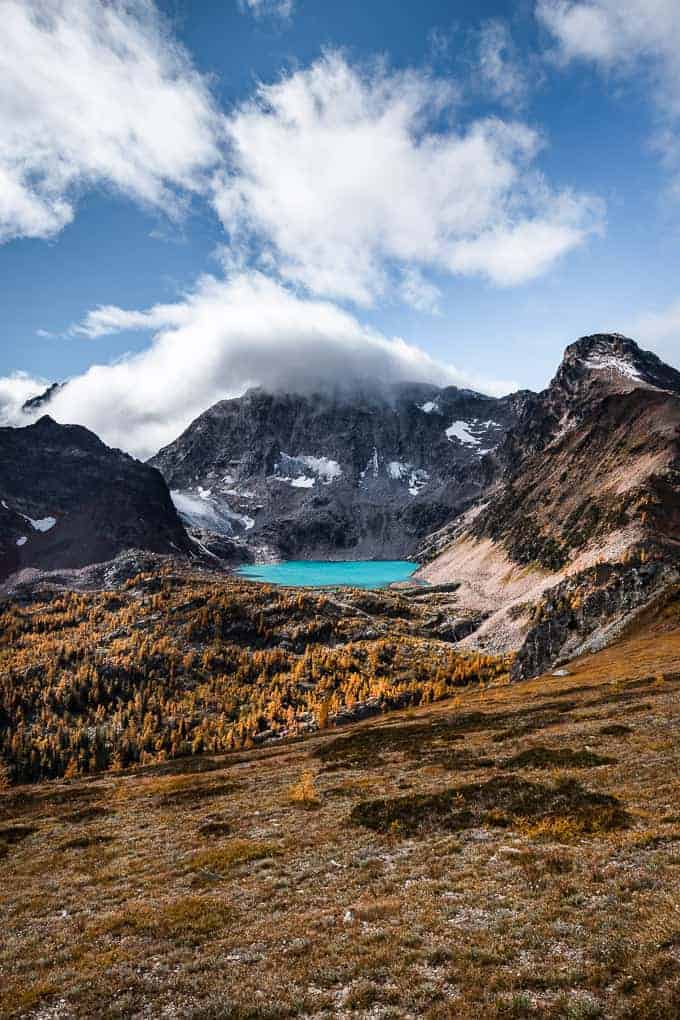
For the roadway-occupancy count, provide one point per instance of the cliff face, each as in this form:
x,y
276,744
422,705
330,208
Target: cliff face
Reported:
x,y
67,500
335,475
589,476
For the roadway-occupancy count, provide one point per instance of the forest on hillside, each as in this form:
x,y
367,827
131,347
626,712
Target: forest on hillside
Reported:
x,y
174,665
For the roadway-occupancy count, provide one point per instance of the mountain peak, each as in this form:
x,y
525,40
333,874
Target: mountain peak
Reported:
x,y
606,351
613,358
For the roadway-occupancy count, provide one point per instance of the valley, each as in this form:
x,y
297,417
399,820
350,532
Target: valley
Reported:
x,y
348,705
339,510
509,851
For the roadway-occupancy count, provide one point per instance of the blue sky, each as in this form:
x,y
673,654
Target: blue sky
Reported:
x,y
562,218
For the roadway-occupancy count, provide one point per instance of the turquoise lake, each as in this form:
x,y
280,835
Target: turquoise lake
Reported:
x,y
322,573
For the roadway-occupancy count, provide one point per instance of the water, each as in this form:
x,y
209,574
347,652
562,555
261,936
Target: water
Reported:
x,y
324,573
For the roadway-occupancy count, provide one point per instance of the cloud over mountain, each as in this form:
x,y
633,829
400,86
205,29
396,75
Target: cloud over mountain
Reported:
x,y
226,335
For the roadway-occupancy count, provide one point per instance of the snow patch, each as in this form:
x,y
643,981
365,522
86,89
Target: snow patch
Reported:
x,y
415,478
418,478
209,512
22,541
42,523
609,363
303,470
460,430
397,470
325,468
429,407
471,433
373,466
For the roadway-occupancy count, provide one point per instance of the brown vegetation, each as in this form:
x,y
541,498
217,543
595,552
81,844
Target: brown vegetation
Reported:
x,y
176,666
543,890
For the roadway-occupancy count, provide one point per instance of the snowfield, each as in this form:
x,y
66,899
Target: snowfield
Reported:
x,y
42,524
209,512
604,363
303,470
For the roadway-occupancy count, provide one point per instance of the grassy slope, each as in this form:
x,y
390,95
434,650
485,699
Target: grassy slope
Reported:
x,y
198,888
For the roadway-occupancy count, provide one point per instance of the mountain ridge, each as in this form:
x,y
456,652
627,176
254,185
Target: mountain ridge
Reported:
x,y
335,476
68,500
581,522
553,515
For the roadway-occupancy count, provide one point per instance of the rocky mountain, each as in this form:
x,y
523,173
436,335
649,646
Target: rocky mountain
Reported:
x,y
41,400
544,521
335,475
67,500
581,527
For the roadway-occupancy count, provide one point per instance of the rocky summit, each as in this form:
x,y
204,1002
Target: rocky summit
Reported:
x,y
335,475
580,528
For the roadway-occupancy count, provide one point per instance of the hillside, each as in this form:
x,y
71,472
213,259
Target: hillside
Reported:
x,y
511,852
580,529
177,661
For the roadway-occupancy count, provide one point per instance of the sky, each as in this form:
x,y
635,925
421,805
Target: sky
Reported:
x,y
196,197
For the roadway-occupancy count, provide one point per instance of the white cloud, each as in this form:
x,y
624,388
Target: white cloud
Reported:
x,y
225,335
418,292
510,254
96,94
15,389
344,174
621,36
268,8
499,65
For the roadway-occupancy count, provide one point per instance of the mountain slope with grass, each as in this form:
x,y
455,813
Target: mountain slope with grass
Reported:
x,y
509,852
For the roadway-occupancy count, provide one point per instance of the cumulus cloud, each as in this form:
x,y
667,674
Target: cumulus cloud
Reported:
x,y
268,8
623,37
225,335
419,292
96,94
343,174
499,65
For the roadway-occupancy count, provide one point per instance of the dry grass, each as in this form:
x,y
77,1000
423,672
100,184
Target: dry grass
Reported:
x,y
304,792
536,876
